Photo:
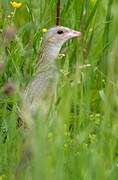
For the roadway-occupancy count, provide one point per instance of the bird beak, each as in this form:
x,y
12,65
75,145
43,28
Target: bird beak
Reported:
x,y
73,33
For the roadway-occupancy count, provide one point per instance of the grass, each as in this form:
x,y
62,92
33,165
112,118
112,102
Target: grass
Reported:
x,y
80,138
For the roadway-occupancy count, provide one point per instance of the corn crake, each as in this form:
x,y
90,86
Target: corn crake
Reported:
x,y
40,92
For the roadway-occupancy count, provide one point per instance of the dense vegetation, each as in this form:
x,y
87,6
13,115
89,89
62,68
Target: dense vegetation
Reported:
x,y
80,138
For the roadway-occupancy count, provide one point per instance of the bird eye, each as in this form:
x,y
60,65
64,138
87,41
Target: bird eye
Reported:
x,y
60,32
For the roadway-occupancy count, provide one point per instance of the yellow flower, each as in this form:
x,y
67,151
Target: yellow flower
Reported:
x,y
15,4
44,30
9,16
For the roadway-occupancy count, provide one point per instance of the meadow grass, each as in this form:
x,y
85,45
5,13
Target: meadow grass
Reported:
x,y
80,138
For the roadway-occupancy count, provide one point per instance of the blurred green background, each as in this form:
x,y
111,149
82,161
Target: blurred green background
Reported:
x,y
80,139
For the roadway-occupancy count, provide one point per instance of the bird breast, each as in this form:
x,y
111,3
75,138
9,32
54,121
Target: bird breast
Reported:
x,y
41,91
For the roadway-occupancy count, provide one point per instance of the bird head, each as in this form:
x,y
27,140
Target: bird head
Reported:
x,y
53,40
58,35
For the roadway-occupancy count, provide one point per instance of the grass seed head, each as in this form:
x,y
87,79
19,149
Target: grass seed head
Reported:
x,y
9,88
10,32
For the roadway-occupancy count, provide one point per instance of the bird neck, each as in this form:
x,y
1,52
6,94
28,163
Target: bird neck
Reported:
x,y
47,56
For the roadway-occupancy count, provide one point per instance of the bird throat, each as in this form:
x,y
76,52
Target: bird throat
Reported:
x,y
46,73
47,57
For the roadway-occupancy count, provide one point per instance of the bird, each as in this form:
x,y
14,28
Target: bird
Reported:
x,y
40,91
